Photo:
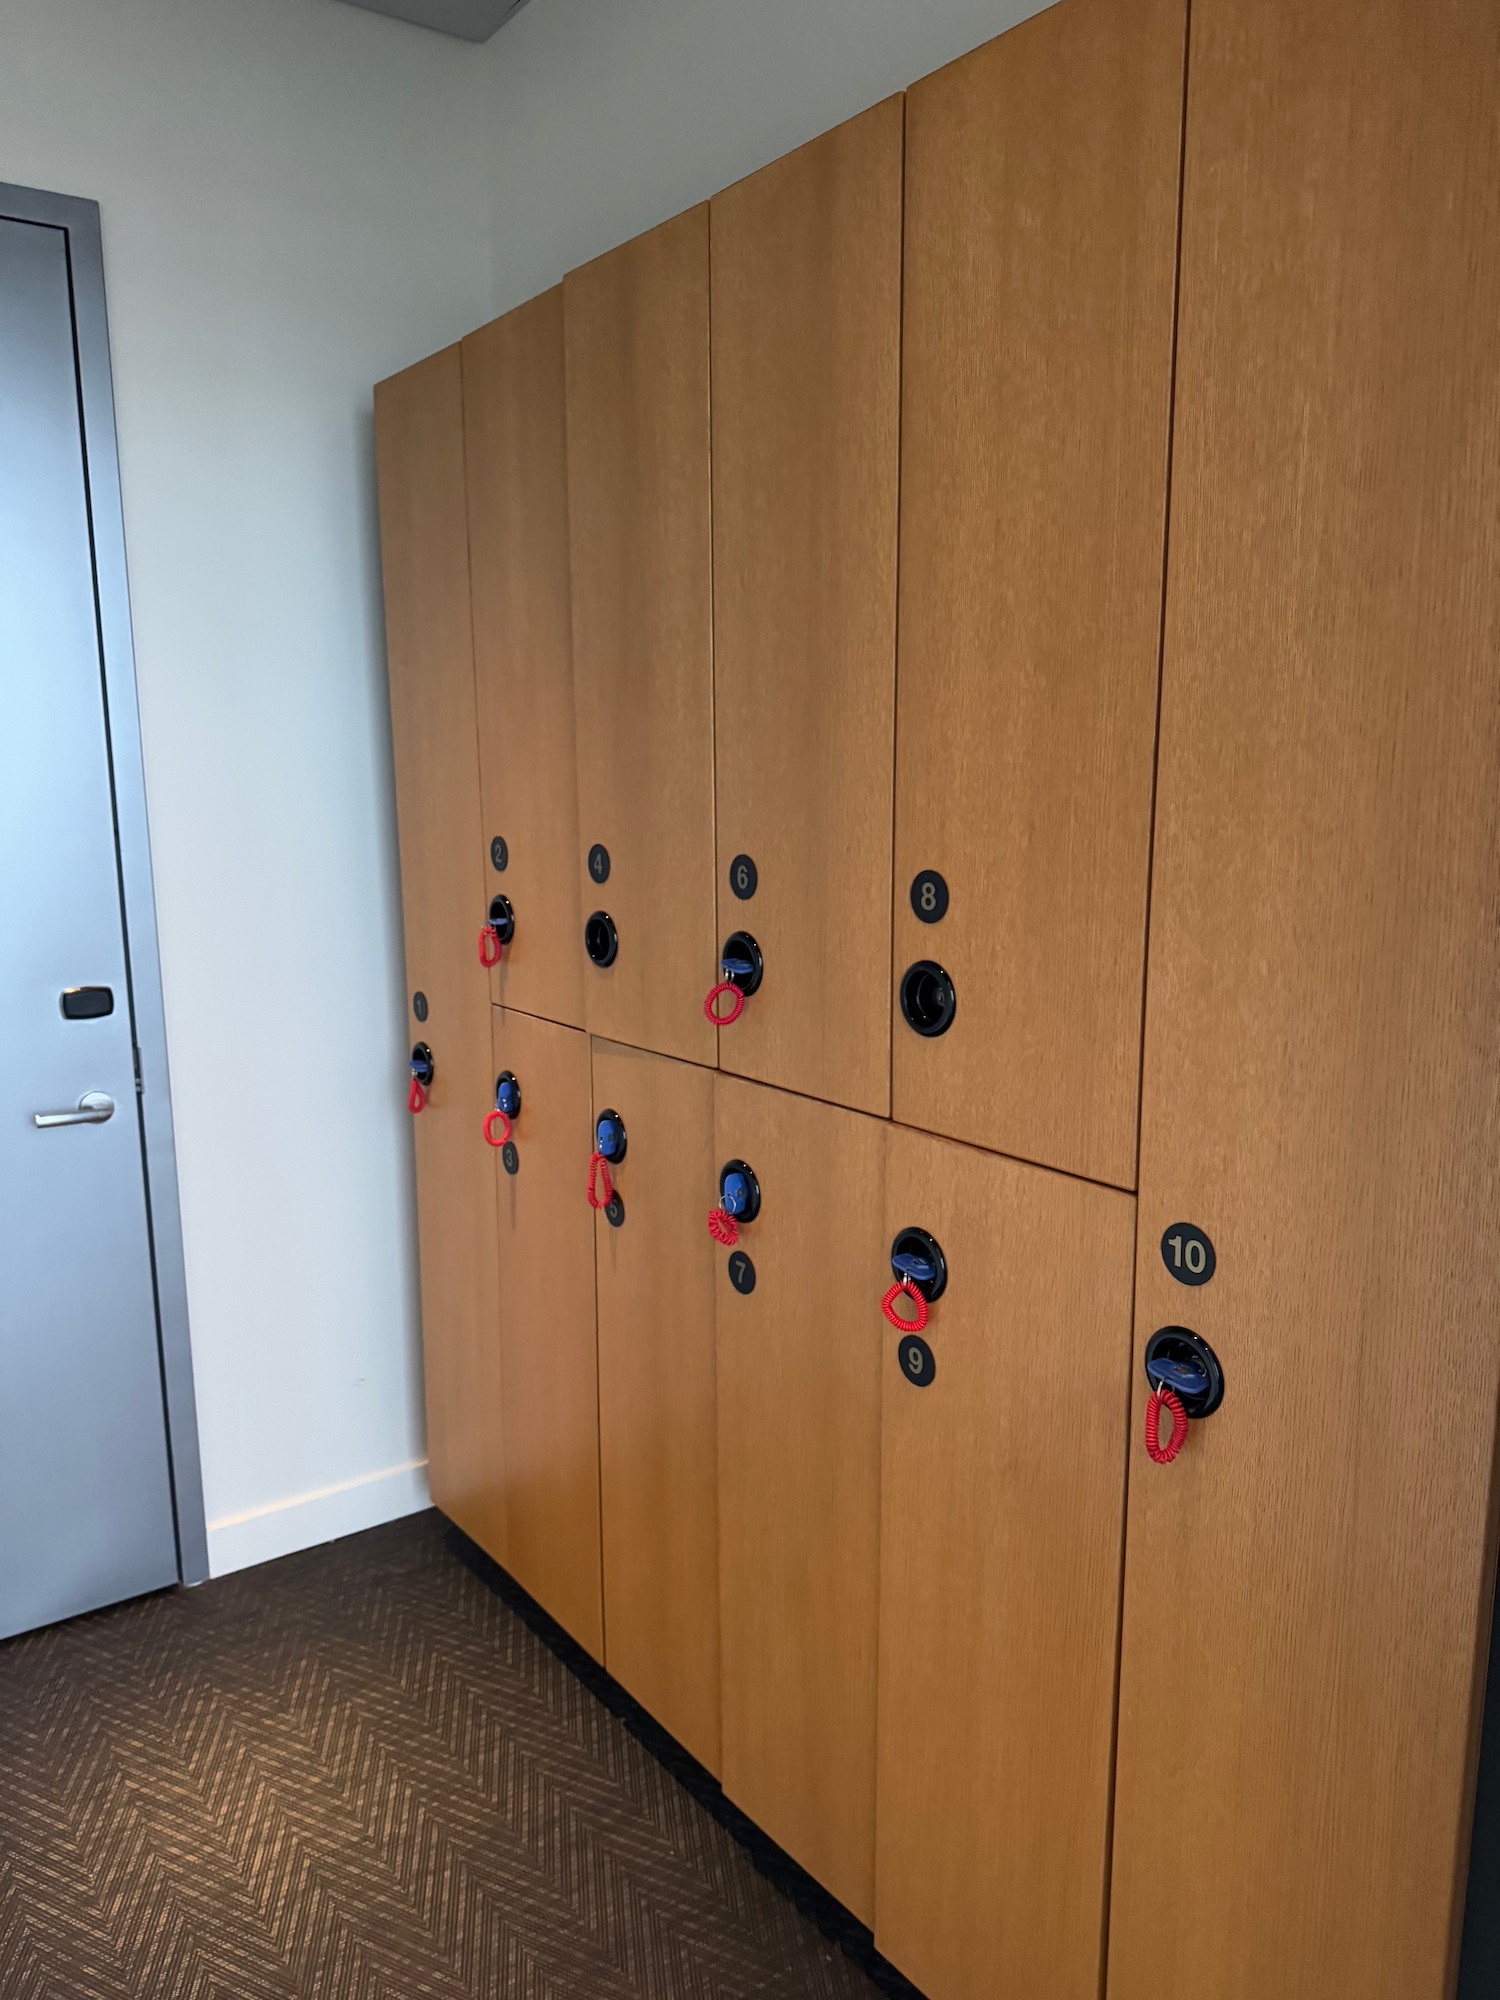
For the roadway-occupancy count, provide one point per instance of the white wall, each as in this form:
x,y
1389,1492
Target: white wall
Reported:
x,y
292,207
606,116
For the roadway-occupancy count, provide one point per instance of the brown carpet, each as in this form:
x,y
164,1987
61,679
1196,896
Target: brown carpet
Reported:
x,y
359,1774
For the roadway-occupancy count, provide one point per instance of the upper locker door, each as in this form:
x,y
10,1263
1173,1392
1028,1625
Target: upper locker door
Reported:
x,y
806,407
517,461
654,1123
638,494
550,1355
1307,1587
1041,204
424,556
799,1477
1003,1457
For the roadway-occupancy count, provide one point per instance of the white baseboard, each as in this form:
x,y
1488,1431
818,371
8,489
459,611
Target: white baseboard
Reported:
x,y
241,1540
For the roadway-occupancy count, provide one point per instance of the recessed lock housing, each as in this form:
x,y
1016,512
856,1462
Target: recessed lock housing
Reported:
x,y
1177,1359
508,1094
609,1137
928,999
422,1065
917,1259
739,1191
600,938
502,918
740,962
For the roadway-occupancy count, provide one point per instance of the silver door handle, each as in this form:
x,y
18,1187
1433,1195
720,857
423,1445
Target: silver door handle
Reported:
x,y
93,1109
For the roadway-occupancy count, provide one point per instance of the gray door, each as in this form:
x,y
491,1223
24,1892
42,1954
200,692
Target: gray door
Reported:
x,y
85,1478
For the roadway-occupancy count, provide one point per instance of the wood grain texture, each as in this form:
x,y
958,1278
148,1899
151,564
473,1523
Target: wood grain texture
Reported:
x,y
550,1357
1307,1586
806,321
1002,1498
424,557
516,451
1041,201
639,499
658,1445
799,1480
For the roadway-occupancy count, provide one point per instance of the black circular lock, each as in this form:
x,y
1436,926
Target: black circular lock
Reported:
x,y
1177,1359
744,877
508,1094
422,1065
917,1256
499,855
502,918
918,1362
609,1137
740,962
929,897
614,1210
599,862
419,1005
928,1001
600,938
739,1191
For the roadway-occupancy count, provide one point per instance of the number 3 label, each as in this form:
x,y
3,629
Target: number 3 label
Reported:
x,y
1188,1254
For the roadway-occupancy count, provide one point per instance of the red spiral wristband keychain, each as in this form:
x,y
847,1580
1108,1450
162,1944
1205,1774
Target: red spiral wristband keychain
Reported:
x,y
489,1128
416,1098
907,1286
599,1177
711,1004
1156,1402
490,947
723,1228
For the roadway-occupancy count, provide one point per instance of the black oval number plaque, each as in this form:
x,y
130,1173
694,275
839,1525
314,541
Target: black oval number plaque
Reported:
x,y
744,878
741,1272
1188,1254
614,1210
929,897
499,855
419,1005
510,1159
918,1363
599,862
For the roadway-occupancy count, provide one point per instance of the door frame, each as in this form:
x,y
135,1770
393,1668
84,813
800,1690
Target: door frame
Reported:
x,y
79,221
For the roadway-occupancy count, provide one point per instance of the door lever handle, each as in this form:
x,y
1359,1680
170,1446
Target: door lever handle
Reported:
x,y
93,1108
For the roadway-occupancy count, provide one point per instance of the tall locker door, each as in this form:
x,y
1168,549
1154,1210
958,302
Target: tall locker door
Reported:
x,y
1041,206
547,1322
806,416
1002,1501
657,1442
424,557
638,495
517,462
799,1478
1307,1586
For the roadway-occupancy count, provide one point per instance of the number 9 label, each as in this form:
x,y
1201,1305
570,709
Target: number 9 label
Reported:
x,y
918,1364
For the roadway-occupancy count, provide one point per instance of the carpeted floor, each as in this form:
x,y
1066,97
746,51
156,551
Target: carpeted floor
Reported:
x,y
361,1773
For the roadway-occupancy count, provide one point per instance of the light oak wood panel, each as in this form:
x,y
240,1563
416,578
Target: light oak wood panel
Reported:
x,y
1307,1587
1002,1500
419,449
658,1449
806,324
1041,201
515,431
550,1356
799,1480
638,491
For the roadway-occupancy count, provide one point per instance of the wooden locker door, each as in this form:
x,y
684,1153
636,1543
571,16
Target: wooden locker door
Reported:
x,y
638,496
1307,1587
549,1352
424,558
1002,1502
799,1480
806,421
658,1449
517,460
1041,204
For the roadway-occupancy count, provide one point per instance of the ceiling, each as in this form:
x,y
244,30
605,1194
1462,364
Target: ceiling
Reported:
x,y
472,20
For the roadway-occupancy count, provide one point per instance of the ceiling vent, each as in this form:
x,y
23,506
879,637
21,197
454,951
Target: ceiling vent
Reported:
x,y
471,20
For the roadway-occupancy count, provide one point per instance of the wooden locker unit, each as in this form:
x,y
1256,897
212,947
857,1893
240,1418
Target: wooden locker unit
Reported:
x,y
1001,1512
657,1441
1307,1587
1041,205
515,433
799,1479
638,495
424,557
549,1353
806,323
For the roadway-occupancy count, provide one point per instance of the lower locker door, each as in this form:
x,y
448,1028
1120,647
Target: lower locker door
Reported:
x,y
799,1477
548,1351
654,1124
1003,1459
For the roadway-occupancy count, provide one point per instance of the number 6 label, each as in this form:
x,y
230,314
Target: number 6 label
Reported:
x,y
1188,1254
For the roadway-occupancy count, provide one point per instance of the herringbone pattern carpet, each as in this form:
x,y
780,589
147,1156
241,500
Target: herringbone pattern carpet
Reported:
x,y
358,1775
